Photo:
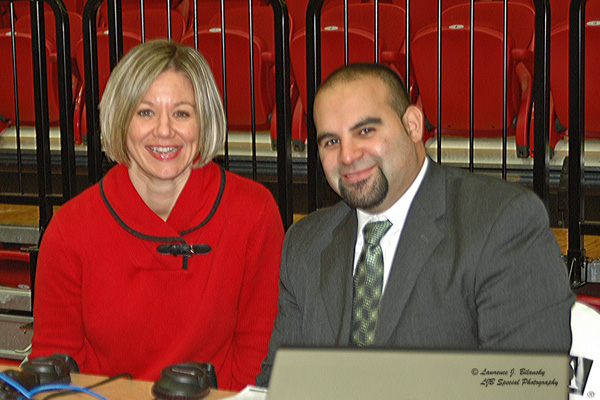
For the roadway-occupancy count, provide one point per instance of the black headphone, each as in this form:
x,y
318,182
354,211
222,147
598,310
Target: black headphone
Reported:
x,y
39,371
187,381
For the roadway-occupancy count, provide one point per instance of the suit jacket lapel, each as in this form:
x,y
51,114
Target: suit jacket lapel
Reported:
x,y
336,277
420,236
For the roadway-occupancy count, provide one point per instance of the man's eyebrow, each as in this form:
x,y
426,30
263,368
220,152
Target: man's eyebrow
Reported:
x,y
366,121
324,136
363,122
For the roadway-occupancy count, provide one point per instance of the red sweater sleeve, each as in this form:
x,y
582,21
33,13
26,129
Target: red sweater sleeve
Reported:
x,y
258,298
58,326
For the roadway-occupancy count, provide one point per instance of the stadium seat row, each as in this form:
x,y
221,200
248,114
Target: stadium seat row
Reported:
x,y
360,33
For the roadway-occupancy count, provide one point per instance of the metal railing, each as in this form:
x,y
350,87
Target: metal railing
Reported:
x,y
46,195
45,198
282,87
578,226
541,90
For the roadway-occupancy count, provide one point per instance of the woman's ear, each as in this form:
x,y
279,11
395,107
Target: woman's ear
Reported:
x,y
413,123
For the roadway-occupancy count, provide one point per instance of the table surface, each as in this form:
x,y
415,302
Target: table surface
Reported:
x,y
120,389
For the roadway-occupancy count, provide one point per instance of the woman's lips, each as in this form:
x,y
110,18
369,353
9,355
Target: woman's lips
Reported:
x,y
164,152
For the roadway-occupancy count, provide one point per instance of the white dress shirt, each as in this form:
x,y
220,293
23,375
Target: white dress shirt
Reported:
x,y
396,214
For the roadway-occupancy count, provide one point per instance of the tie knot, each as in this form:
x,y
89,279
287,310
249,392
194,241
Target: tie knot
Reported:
x,y
374,231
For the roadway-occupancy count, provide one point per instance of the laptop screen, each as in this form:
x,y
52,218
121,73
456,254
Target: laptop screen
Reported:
x,y
350,373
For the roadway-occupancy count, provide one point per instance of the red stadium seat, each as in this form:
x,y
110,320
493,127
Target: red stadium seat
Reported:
x,y
593,301
488,82
14,268
129,41
25,80
262,18
239,102
559,12
559,71
22,9
155,23
392,21
23,24
4,123
297,11
521,23
490,14
361,48
361,16
208,9
181,6
425,12
263,26
4,16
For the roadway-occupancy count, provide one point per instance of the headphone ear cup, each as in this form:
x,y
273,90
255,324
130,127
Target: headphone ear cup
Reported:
x,y
69,362
186,381
211,375
50,369
27,379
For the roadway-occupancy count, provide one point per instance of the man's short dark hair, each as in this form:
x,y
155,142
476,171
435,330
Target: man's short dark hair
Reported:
x,y
398,98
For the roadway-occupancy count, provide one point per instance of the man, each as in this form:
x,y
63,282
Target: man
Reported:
x,y
468,261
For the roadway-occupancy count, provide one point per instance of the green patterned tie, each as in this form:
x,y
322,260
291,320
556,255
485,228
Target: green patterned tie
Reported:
x,y
368,284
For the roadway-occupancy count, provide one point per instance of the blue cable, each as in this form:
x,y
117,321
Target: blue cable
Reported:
x,y
15,385
45,388
64,386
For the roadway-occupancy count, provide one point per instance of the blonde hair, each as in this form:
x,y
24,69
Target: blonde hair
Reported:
x,y
131,79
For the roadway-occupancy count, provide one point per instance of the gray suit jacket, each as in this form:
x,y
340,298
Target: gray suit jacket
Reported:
x,y
476,267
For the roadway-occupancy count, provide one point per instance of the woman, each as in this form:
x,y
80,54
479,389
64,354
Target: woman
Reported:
x,y
169,258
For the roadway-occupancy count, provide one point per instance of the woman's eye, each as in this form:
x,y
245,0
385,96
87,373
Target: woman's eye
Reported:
x,y
182,114
144,113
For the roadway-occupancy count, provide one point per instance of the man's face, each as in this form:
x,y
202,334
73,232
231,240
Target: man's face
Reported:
x,y
368,156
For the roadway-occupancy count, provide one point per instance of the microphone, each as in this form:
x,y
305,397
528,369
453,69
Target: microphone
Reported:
x,y
183,249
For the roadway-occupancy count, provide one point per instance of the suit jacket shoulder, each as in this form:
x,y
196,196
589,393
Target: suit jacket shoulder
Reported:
x,y
487,273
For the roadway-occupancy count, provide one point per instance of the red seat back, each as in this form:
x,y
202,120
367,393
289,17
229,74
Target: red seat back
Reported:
x,y
488,82
208,9
23,24
559,14
239,101
129,41
155,23
425,12
263,24
14,268
361,48
559,70
592,301
392,21
490,14
25,80
181,6
297,11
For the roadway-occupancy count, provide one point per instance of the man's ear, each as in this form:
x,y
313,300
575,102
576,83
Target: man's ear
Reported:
x,y
413,123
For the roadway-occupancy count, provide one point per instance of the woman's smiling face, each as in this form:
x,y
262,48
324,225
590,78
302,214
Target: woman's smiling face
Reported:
x,y
162,137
